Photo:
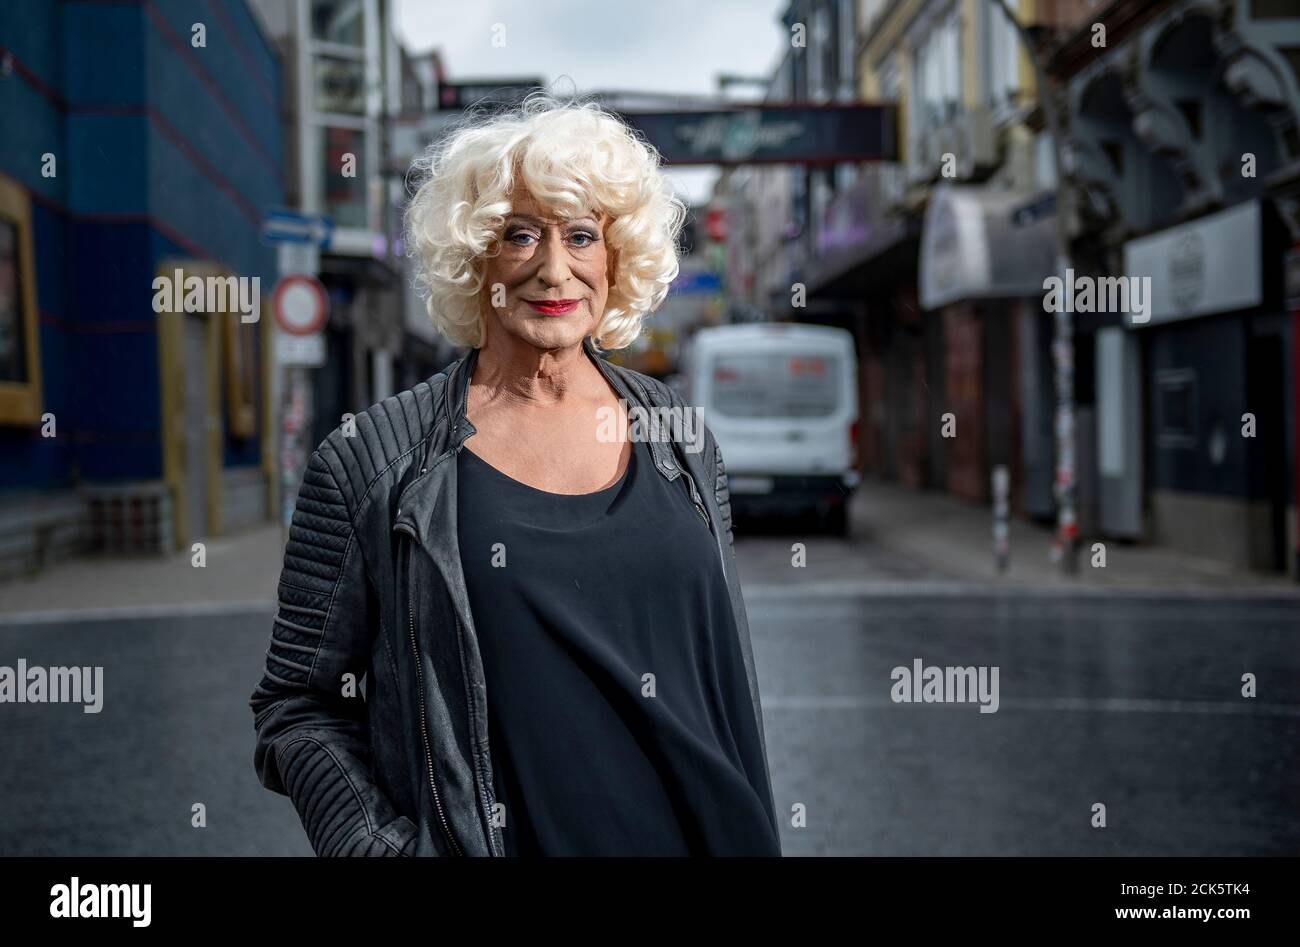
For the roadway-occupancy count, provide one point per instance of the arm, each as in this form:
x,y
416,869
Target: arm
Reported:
x,y
312,741
722,494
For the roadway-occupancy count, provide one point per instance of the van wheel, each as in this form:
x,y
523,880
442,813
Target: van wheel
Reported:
x,y
836,520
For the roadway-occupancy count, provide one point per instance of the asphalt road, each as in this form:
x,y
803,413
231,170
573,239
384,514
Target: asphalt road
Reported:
x,y
1132,703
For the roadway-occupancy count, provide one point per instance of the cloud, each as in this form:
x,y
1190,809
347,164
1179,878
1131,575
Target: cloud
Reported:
x,y
666,46
672,46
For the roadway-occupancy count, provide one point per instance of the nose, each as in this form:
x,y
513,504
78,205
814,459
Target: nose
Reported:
x,y
552,261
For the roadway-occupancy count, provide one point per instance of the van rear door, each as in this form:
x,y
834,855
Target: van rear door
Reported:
x,y
782,407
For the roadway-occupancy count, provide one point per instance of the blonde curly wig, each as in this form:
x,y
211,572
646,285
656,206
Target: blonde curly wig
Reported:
x,y
574,158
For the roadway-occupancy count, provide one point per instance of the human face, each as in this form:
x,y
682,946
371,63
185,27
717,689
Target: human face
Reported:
x,y
547,278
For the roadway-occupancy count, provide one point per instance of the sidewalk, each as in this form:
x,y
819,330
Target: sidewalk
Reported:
x,y
241,570
933,542
955,538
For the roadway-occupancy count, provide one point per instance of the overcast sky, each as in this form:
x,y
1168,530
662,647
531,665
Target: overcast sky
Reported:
x,y
659,46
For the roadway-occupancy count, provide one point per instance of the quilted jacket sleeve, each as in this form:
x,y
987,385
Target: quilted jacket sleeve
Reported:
x,y
312,740
722,493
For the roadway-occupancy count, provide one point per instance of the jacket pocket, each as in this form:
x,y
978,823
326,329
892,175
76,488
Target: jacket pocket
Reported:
x,y
402,834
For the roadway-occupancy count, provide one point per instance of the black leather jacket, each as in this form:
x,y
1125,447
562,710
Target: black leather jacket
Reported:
x,y
372,588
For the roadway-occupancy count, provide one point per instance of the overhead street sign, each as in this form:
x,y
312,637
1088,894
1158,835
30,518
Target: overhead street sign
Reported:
x,y
770,134
462,95
287,226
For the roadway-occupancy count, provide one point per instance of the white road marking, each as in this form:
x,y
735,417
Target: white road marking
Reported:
x,y
1114,705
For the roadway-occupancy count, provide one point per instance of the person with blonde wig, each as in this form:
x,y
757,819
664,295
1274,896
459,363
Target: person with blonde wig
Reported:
x,y
529,556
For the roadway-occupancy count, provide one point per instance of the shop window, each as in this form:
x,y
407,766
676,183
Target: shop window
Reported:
x,y
937,77
343,175
339,21
20,365
340,85
1004,61
240,358
1176,408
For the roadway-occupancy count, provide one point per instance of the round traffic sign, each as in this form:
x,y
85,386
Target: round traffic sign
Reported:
x,y
300,305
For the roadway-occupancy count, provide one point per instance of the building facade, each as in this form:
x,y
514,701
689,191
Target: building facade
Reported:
x,y
141,140
349,87
1180,145
1185,157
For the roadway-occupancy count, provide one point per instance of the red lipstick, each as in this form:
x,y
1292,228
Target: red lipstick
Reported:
x,y
553,307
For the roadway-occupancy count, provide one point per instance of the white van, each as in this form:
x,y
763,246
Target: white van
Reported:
x,y
782,401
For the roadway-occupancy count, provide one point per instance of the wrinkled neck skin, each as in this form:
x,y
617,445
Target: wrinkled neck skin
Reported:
x,y
510,373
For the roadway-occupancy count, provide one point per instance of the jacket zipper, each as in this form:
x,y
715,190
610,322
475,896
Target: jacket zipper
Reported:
x,y
696,499
424,727
700,509
699,506
486,783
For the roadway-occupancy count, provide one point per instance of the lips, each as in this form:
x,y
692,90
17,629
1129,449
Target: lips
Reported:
x,y
553,307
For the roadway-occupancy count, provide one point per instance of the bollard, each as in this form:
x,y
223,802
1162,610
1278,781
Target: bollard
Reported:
x,y
1001,535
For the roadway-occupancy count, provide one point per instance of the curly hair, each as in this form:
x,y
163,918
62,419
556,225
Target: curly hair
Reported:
x,y
574,158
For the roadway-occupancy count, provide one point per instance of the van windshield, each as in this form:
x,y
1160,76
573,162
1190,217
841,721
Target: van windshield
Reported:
x,y
775,385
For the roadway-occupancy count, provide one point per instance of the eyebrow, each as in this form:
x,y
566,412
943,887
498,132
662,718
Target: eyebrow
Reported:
x,y
537,220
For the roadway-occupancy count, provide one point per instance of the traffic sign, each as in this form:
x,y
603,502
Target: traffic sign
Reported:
x,y
298,258
305,350
300,305
287,226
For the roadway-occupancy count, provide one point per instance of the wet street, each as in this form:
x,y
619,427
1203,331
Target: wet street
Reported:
x,y
1131,702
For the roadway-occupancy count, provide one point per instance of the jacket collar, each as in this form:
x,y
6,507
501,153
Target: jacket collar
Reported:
x,y
456,391
427,485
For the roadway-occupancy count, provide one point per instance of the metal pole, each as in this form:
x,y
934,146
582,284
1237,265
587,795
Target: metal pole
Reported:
x,y
1067,522
1293,303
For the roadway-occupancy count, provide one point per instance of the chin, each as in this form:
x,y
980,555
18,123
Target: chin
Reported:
x,y
554,332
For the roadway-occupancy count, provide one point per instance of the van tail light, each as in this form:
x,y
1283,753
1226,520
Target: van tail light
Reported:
x,y
853,445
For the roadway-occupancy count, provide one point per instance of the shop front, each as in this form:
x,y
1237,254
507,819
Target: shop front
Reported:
x,y
985,252
1218,382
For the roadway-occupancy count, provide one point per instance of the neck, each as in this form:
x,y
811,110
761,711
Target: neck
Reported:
x,y
511,371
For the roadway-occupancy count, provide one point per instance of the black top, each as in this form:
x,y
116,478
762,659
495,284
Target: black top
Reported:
x,y
585,597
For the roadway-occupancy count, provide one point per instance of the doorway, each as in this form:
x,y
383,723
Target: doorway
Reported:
x,y
1266,391
196,426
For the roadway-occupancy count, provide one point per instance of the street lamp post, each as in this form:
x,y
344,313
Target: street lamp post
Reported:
x,y
1067,520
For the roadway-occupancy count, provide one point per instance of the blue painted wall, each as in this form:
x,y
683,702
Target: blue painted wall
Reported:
x,y
164,151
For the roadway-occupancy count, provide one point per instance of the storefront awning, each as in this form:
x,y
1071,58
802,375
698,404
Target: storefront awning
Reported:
x,y
980,242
